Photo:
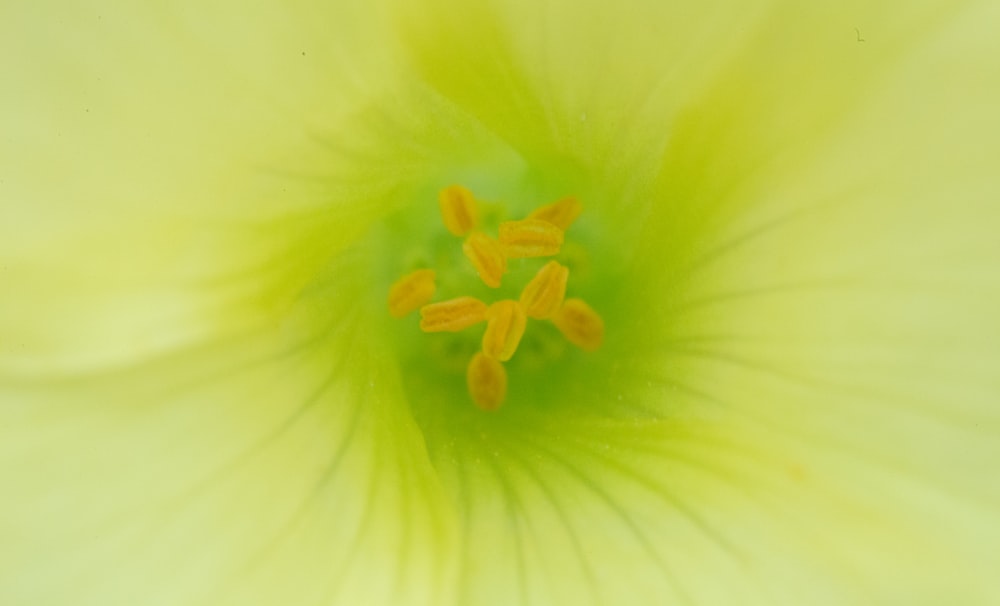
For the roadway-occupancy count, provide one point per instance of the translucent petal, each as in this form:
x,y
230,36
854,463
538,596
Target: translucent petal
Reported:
x,y
179,173
824,288
192,407
279,467
586,91
796,402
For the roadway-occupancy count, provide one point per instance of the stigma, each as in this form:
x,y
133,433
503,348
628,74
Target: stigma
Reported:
x,y
542,298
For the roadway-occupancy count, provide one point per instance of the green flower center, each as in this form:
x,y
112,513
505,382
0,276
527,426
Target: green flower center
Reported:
x,y
440,284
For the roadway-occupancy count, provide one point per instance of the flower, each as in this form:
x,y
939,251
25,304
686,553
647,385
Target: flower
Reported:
x,y
789,227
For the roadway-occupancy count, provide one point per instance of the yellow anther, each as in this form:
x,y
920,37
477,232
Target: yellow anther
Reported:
x,y
487,256
487,381
458,209
530,238
580,324
505,326
452,315
561,213
411,292
543,296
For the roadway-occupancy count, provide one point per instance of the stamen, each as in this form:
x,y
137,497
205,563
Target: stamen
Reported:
x,y
452,315
487,381
530,238
580,324
505,327
487,256
541,234
458,209
411,292
561,213
543,296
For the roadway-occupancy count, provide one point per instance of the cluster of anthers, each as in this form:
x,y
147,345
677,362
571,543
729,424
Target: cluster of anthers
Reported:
x,y
543,298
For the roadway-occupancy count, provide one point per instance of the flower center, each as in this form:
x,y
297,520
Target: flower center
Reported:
x,y
541,234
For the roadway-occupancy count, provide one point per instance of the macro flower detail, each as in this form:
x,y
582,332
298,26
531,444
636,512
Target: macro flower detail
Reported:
x,y
544,295
487,256
530,238
458,209
411,292
543,298
499,303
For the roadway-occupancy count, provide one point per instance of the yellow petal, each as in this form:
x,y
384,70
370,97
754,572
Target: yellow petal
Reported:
x,y
527,71
171,178
797,404
802,408
236,472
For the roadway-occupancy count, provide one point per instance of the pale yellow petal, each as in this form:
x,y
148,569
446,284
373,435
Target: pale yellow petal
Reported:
x,y
586,90
796,402
176,173
279,467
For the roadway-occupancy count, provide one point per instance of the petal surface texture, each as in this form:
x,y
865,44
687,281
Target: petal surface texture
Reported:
x,y
787,223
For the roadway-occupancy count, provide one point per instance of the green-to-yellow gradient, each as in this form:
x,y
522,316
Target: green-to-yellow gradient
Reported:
x,y
791,228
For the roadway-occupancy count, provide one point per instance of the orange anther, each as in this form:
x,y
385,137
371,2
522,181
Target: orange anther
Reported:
x,y
530,238
452,315
458,209
543,296
505,326
487,256
580,324
487,381
410,292
561,213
